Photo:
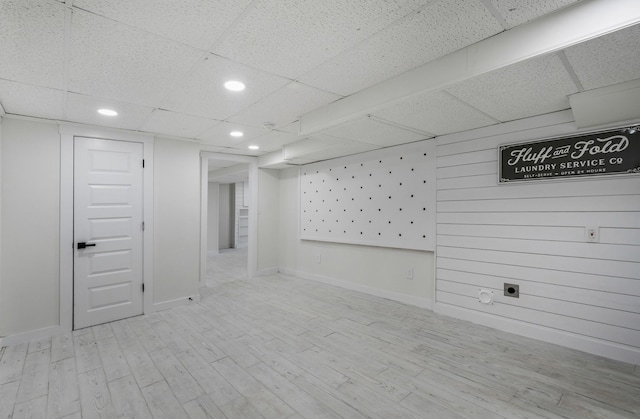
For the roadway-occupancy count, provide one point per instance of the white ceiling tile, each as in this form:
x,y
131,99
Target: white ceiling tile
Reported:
x,y
237,177
289,38
177,124
218,135
516,12
83,109
28,100
271,141
436,113
197,23
32,42
109,59
323,147
201,92
285,105
609,59
440,28
293,128
533,87
370,131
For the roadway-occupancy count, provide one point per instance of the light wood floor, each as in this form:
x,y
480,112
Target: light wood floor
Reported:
x,y
282,347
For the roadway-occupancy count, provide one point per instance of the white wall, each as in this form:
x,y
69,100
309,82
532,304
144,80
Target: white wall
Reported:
x,y
213,198
268,220
224,217
578,294
377,270
176,220
30,221
2,327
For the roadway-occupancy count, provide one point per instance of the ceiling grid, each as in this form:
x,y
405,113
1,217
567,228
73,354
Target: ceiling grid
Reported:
x,y
162,65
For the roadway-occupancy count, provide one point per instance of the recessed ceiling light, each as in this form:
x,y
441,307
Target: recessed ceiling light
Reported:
x,y
254,147
234,85
236,133
107,112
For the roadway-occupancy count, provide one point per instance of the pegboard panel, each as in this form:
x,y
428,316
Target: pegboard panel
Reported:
x,y
379,198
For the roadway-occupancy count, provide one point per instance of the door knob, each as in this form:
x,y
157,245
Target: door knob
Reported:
x,y
82,245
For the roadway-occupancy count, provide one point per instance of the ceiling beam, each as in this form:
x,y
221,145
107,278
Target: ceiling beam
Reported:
x,y
239,170
572,25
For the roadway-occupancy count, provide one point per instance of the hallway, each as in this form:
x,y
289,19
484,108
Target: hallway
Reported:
x,y
228,265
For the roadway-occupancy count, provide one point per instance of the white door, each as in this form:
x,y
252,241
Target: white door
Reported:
x,y
108,231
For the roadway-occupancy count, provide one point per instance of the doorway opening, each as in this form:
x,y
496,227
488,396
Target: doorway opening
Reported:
x,y
229,218
228,221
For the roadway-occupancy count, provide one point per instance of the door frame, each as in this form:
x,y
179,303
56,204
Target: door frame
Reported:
x,y
68,132
252,248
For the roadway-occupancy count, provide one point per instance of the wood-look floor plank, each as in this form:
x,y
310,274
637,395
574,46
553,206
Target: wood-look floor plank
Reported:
x,y
150,340
162,403
39,345
586,407
86,350
213,384
170,337
140,363
127,399
102,331
31,409
203,408
95,398
194,337
113,360
123,331
232,347
183,385
295,397
451,395
12,362
327,395
330,377
241,408
428,408
8,393
62,347
35,379
267,403
64,395
371,403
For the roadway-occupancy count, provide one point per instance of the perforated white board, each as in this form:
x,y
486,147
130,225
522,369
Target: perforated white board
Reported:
x,y
379,198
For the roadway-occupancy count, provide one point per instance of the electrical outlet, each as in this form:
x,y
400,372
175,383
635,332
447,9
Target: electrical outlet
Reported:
x,y
318,258
410,273
592,234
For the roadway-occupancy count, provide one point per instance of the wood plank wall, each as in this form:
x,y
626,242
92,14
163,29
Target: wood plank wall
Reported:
x,y
579,294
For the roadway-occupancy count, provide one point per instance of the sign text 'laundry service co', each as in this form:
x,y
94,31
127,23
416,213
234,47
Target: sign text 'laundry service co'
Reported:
x,y
603,153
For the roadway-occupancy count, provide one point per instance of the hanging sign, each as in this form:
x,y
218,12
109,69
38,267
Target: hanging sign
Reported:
x,y
603,153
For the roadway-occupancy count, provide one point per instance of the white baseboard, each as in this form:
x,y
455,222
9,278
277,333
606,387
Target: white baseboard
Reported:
x,y
390,295
44,333
268,271
570,340
165,305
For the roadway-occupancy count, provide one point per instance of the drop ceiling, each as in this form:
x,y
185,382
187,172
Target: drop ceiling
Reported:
x,y
162,64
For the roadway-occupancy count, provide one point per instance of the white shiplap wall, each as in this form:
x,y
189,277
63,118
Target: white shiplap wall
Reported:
x,y
578,294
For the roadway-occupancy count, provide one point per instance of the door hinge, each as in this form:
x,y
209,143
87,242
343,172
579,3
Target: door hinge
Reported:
x,y
143,287
143,163
143,226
